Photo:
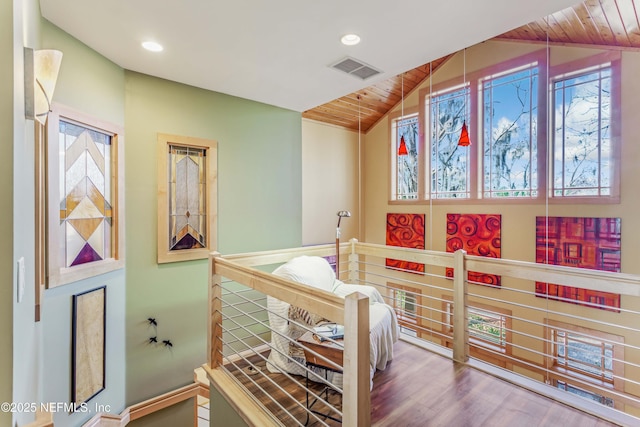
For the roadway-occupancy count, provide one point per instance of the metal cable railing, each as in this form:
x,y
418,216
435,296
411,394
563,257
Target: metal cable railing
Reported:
x,y
249,361
595,357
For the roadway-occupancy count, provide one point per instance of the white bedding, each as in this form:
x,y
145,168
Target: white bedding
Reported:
x,y
317,272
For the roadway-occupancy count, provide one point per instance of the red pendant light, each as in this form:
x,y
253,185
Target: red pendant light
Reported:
x,y
464,140
402,149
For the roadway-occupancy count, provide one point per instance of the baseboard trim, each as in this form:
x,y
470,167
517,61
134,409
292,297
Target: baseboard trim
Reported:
x,y
149,406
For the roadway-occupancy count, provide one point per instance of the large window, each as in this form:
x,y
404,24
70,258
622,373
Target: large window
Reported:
x,y
405,155
538,132
449,172
582,133
510,105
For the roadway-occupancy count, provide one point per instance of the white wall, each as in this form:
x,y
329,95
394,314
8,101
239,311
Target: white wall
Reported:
x,y
329,182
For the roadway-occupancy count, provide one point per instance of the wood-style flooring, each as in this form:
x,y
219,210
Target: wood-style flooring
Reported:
x,y
419,388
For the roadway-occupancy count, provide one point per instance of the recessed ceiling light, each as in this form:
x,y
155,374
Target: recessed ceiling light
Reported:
x,y
350,39
152,46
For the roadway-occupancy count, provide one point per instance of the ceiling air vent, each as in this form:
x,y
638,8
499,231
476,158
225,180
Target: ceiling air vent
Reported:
x,y
355,68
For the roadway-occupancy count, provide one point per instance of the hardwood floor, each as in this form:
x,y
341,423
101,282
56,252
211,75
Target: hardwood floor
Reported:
x,y
420,388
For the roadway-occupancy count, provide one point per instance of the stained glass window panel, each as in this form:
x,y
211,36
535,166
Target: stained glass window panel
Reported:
x,y
85,209
187,198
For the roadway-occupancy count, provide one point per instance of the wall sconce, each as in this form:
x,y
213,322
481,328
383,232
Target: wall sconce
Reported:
x,y
40,75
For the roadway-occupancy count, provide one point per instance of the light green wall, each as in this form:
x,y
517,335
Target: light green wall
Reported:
x,y
221,414
93,85
180,414
6,209
260,207
259,199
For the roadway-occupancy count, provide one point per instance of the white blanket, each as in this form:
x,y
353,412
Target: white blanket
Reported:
x,y
383,325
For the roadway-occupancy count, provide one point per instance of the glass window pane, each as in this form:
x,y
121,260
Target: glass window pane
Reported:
x,y
407,158
85,213
450,170
510,134
187,190
582,141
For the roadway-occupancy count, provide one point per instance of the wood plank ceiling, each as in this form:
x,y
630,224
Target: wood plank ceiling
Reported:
x,y
612,23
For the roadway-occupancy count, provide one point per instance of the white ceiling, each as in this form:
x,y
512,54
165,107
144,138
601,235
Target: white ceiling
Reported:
x,y
279,51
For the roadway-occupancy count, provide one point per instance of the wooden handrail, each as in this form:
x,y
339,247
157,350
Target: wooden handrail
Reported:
x,y
306,297
605,281
279,255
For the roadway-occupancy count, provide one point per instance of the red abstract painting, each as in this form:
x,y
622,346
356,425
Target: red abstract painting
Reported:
x,y
478,234
579,242
407,231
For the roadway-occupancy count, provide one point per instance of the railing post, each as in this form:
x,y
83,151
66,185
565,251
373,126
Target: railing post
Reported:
x,y
356,400
353,262
214,343
460,308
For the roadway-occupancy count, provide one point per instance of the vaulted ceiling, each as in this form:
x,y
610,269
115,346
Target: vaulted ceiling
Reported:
x,y
612,23
281,53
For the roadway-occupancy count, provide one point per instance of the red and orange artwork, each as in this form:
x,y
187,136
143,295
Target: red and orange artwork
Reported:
x,y
579,242
478,234
407,231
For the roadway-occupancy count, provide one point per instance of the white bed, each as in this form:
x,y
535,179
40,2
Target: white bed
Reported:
x,y
317,272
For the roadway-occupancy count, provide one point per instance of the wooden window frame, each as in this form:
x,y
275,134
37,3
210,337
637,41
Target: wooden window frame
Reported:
x,y
406,321
568,70
482,349
58,274
535,71
165,255
584,380
394,118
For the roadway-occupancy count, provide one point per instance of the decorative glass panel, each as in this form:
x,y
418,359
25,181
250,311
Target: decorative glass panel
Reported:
x,y
85,198
187,198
